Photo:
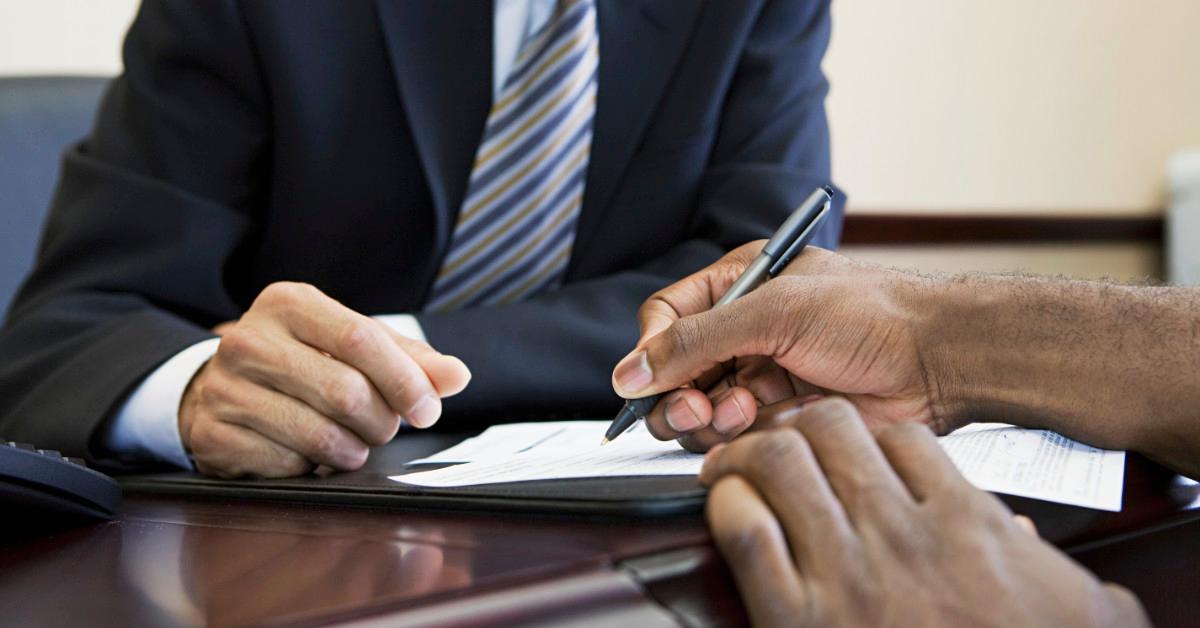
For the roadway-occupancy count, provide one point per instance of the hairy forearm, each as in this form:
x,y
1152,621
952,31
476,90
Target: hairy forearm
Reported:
x,y
1115,366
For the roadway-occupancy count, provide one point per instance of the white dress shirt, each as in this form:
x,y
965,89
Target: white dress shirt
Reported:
x,y
147,425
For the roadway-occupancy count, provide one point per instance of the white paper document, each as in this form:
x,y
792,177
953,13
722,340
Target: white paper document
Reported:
x,y
993,456
1037,463
549,451
503,441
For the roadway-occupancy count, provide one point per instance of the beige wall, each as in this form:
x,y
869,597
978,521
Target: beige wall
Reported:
x,y
63,36
1064,105
937,106
1132,262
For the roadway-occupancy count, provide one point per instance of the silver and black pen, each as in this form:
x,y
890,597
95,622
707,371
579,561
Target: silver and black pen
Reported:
x,y
785,244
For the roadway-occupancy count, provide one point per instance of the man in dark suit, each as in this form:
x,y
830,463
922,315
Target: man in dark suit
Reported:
x,y
313,173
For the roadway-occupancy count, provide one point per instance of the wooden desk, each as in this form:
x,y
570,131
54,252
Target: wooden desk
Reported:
x,y
172,561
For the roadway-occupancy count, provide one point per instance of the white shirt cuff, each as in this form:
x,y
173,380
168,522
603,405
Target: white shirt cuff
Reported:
x,y
147,426
404,324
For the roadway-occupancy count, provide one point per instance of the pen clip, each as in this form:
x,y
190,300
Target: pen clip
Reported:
x,y
800,242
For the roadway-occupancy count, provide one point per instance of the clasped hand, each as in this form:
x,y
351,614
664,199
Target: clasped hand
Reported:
x,y
301,380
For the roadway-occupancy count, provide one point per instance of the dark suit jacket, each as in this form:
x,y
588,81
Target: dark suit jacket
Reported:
x,y
330,142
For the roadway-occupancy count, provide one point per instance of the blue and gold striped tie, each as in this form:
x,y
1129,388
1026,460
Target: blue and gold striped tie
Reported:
x,y
516,227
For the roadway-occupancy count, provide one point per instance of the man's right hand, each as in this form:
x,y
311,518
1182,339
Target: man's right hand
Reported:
x,y
826,325
301,380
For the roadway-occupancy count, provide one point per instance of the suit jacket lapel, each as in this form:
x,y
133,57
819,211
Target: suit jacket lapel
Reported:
x,y
641,42
441,54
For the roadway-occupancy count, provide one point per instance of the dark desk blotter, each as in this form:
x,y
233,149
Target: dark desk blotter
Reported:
x,y
370,486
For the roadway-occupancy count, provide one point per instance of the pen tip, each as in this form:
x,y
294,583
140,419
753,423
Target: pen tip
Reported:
x,y
604,442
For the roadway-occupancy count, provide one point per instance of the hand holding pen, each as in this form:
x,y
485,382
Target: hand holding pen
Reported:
x,y
732,408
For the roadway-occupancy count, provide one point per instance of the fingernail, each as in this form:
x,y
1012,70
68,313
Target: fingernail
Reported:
x,y
633,373
680,415
725,421
425,411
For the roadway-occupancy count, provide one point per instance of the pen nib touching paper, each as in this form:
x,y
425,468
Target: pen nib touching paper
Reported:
x,y
570,453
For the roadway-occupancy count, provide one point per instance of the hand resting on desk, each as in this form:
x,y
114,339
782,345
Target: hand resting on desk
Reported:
x,y
301,380
825,525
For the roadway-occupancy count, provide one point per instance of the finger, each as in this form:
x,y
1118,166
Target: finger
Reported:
x,y
1026,524
739,415
781,466
287,422
330,387
748,535
916,456
857,470
763,377
695,293
782,413
362,343
689,411
448,374
230,451
703,440
695,344
681,412
733,411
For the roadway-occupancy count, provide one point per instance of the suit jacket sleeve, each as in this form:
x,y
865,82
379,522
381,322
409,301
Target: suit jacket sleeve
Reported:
x,y
556,350
148,213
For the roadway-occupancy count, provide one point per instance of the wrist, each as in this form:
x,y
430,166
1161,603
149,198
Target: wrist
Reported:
x,y
933,305
987,355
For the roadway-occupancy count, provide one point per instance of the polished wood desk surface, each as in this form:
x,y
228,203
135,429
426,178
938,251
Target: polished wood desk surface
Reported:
x,y
174,561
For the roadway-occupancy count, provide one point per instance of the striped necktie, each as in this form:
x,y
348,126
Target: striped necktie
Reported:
x,y
515,229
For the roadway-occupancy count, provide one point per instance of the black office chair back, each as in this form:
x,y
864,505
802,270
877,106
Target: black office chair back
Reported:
x,y
39,117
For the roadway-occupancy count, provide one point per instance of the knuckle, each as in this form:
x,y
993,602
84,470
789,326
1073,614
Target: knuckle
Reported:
x,y
240,343
984,508
652,305
753,538
385,432
348,395
201,440
355,336
294,464
835,408
281,293
210,394
776,451
1126,606
215,389
823,416
323,443
410,386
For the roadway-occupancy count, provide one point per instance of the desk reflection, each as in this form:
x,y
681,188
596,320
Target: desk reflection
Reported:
x,y
218,576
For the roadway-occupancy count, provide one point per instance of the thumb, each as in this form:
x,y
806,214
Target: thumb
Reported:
x,y
448,374
692,345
